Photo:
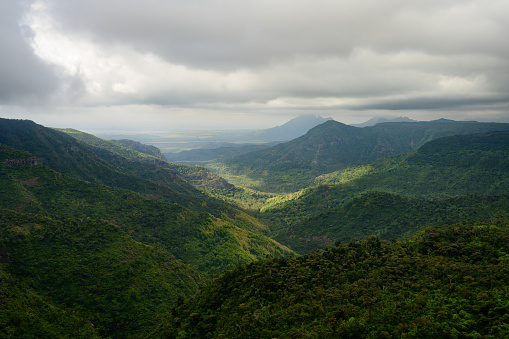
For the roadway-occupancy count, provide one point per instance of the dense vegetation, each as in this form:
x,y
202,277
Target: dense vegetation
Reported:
x,y
211,242
150,164
333,146
448,282
444,168
25,314
100,240
119,148
94,269
388,216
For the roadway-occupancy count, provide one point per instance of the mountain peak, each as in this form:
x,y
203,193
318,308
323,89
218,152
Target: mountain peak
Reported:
x,y
292,129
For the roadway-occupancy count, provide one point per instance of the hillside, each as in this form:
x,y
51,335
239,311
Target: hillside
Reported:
x,y
90,269
333,146
448,282
388,216
24,313
443,168
153,168
111,146
97,239
210,241
67,155
138,146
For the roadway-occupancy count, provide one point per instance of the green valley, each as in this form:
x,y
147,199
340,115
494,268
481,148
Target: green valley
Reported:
x,y
394,230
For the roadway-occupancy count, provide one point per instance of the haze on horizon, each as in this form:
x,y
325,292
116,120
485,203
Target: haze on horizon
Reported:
x,y
221,64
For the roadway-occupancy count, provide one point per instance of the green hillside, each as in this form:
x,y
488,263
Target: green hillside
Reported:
x,y
114,147
152,166
333,146
388,216
448,282
67,155
443,168
26,314
211,243
100,240
93,269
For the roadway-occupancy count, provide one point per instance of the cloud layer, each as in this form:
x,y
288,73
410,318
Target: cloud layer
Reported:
x,y
265,58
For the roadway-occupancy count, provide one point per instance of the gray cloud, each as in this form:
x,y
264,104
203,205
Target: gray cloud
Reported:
x,y
260,57
23,75
225,33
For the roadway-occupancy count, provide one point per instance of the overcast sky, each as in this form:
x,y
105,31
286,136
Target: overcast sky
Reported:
x,y
192,64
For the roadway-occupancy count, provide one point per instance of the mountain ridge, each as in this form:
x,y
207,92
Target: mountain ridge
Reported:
x,y
332,146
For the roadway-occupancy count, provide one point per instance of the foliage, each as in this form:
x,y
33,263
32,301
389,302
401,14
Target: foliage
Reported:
x,y
244,198
448,282
92,268
388,216
25,314
201,177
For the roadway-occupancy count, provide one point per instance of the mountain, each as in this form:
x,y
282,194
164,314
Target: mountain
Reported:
x,y
92,253
443,168
99,240
292,129
379,120
65,154
333,146
446,282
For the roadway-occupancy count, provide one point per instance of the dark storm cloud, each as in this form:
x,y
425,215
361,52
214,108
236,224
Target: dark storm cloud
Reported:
x,y
23,76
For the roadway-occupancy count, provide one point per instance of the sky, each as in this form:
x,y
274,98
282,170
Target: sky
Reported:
x,y
168,65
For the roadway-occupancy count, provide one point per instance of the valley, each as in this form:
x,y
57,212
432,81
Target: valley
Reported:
x,y
398,229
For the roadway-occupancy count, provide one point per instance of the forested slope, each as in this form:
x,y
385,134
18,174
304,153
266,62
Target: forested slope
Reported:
x,y
388,216
210,243
448,282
